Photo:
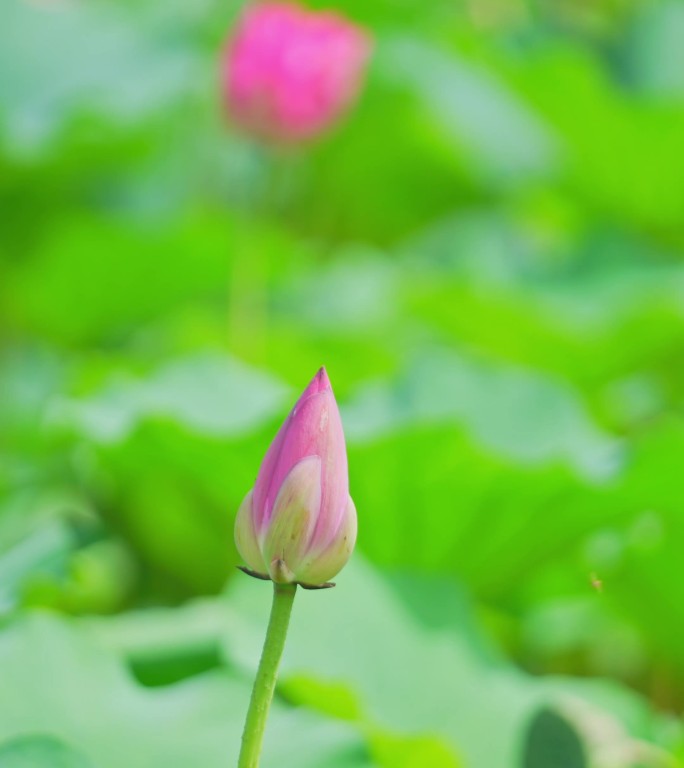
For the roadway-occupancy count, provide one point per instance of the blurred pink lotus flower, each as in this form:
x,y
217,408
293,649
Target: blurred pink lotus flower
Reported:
x,y
290,73
298,523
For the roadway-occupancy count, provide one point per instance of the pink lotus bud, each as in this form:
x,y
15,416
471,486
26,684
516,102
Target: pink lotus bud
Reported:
x,y
298,523
289,73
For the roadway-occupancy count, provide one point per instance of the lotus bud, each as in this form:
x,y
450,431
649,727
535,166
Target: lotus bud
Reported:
x,y
298,523
289,73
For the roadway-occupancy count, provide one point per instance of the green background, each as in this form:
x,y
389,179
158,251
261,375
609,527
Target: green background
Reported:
x,y
487,255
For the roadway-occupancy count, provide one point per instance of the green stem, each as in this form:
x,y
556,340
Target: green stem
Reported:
x,y
264,684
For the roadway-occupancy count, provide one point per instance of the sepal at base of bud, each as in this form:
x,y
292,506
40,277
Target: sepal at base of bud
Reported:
x,y
261,577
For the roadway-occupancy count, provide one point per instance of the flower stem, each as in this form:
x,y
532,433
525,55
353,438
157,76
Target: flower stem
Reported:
x,y
264,684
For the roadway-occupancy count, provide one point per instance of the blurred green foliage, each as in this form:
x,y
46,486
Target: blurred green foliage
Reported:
x,y
487,255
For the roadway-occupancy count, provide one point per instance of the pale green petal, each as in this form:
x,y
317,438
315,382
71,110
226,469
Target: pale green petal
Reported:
x,y
293,519
330,562
245,537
